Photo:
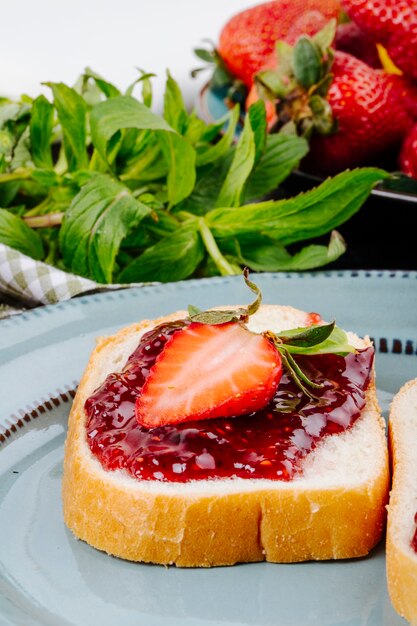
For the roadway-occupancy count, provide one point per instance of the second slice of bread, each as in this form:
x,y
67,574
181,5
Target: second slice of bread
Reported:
x,y
334,510
401,558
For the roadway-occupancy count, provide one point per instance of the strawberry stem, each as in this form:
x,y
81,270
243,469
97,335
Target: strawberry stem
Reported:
x,y
297,374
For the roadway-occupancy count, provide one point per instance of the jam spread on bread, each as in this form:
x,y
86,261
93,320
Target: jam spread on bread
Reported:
x,y
268,443
414,539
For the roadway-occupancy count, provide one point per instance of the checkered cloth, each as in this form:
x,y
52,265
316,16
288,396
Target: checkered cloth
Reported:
x,y
33,283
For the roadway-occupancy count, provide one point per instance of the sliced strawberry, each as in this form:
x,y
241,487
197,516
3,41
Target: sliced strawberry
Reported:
x,y
207,371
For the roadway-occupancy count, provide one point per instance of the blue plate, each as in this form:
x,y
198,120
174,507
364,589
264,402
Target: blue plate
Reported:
x,y
47,577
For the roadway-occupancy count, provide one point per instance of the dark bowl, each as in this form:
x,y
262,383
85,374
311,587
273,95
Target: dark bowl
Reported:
x,y
381,235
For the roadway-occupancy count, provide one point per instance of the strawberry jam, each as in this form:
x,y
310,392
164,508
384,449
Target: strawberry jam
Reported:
x,y
270,443
414,539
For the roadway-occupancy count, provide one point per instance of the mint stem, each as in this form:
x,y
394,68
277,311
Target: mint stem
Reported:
x,y
21,174
44,221
224,267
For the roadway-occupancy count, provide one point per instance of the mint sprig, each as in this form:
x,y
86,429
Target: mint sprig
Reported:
x,y
314,339
239,314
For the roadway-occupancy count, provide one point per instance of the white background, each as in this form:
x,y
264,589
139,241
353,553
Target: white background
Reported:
x,y
52,40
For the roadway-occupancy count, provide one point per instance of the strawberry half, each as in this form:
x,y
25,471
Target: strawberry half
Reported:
x,y
207,371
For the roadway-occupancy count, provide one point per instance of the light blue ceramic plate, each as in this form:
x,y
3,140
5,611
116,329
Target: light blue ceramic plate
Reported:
x,y
49,578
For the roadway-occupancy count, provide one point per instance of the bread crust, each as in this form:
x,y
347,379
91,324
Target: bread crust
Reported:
x,y
401,560
203,524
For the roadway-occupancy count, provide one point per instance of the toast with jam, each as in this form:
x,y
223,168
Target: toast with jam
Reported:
x,y
233,435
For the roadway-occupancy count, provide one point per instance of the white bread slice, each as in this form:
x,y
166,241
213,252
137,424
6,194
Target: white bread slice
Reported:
x,y
336,509
401,558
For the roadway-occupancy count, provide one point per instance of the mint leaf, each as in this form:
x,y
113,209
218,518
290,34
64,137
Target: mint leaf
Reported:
x,y
240,168
72,111
16,234
209,153
109,90
307,215
257,115
173,258
175,112
336,343
97,221
110,117
41,127
307,337
282,154
314,256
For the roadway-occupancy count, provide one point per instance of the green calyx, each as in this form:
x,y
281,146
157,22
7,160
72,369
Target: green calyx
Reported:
x,y
314,339
299,85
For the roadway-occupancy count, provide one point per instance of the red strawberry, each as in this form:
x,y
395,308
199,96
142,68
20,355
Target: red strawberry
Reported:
x,y
394,24
408,154
247,41
371,110
352,113
207,371
350,38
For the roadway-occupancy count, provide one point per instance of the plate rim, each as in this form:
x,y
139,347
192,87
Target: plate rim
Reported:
x,y
27,315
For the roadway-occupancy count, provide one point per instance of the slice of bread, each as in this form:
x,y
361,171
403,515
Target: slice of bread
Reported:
x,y
401,558
334,510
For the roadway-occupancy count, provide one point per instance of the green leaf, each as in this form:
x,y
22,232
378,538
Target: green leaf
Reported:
x,y
264,254
257,115
180,157
285,58
307,215
109,90
240,168
98,219
307,337
146,84
325,37
336,343
222,316
314,256
22,156
282,154
173,258
72,111
307,62
175,112
210,153
16,234
206,189
111,116
205,55
41,127
193,310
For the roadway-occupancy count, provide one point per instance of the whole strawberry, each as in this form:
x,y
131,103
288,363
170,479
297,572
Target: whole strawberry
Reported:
x,y
408,154
352,113
247,41
392,23
372,115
